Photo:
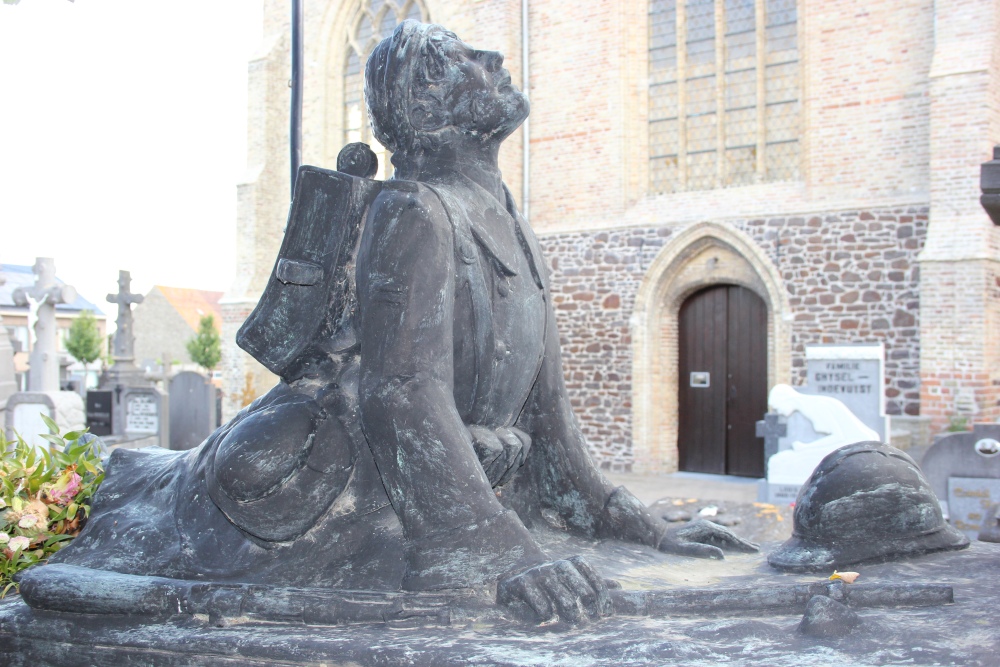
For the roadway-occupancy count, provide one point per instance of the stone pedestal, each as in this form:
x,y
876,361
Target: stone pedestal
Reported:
x,y
684,632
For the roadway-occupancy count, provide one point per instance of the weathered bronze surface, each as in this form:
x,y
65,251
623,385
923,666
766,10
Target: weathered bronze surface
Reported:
x,y
421,424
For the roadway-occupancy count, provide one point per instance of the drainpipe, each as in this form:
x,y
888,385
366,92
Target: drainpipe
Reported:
x,y
526,136
295,83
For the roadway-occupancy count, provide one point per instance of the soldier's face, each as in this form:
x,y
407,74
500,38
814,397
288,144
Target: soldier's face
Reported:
x,y
481,97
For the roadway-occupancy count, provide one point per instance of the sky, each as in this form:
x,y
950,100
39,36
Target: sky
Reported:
x,y
122,139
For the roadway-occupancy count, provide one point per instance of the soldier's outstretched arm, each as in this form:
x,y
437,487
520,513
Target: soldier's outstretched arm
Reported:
x,y
559,475
458,533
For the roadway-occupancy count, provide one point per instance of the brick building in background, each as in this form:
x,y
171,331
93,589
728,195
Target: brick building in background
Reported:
x,y
821,155
166,320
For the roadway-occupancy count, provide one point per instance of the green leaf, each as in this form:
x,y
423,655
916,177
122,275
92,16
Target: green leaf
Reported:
x,y
57,538
53,427
73,435
54,439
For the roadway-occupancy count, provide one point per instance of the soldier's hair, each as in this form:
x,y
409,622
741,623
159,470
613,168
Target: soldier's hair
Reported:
x,y
407,78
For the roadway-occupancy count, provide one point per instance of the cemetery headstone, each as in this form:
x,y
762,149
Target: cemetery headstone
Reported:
x,y
8,383
99,412
772,428
142,410
192,410
43,395
855,376
42,299
137,409
816,425
964,472
23,409
123,370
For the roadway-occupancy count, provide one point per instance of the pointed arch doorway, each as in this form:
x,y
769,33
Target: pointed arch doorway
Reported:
x,y
722,392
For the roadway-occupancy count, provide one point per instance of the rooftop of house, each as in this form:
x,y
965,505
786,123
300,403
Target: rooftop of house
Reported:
x,y
193,304
17,275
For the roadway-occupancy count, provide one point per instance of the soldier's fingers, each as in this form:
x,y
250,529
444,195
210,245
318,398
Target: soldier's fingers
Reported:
x,y
521,589
693,549
737,543
566,601
525,443
497,469
712,533
512,461
487,448
599,585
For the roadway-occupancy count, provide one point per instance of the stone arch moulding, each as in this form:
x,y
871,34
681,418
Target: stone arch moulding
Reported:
x,y
338,20
701,255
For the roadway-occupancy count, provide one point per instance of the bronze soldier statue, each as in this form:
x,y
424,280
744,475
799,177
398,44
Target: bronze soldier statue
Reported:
x,y
422,424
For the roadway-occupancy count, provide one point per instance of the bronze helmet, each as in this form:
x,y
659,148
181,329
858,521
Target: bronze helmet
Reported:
x,y
866,502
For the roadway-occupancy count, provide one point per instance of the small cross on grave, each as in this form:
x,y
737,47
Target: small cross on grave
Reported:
x,y
772,427
41,300
124,343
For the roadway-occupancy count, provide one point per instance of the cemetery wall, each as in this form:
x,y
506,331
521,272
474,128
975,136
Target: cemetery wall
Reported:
x,y
851,277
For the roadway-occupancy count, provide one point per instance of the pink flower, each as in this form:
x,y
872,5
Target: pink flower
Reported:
x,y
28,521
65,488
19,543
4,538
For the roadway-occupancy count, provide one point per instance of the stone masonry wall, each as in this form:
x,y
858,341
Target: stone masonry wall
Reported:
x,y
851,277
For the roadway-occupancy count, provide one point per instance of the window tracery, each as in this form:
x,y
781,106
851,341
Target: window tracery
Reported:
x,y
374,20
723,93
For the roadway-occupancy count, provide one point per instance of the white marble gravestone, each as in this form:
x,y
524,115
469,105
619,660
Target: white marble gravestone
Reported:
x,y
816,425
41,299
855,376
43,395
65,408
8,384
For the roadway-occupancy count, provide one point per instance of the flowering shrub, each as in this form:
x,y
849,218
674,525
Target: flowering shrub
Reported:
x,y
44,497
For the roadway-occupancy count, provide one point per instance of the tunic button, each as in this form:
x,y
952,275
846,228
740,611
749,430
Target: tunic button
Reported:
x,y
502,288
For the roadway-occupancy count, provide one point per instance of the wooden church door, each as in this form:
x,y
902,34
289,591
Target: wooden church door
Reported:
x,y
723,381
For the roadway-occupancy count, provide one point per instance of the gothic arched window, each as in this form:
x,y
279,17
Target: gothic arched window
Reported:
x,y
724,107
374,20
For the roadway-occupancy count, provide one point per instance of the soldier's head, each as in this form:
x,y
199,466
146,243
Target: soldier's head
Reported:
x,y
425,87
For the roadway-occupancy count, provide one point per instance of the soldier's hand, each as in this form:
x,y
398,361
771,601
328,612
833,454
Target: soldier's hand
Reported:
x,y
500,451
568,590
703,539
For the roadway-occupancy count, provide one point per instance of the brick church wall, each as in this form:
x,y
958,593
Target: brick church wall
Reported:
x,y
851,278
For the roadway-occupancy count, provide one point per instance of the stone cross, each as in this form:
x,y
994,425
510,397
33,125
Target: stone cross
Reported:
x,y
124,342
43,297
772,427
7,383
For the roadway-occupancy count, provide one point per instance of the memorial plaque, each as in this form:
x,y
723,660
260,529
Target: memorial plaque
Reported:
x,y
141,416
99,404
853,374
143,406
969,501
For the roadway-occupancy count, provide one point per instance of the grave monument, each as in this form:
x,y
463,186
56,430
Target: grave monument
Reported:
x,y
815,425
43,395
964,470
855,376
138,410
421,423
417,465
8,384
192,409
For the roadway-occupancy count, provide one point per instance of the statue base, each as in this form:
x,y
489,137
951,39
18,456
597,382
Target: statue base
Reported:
x,y
705,612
